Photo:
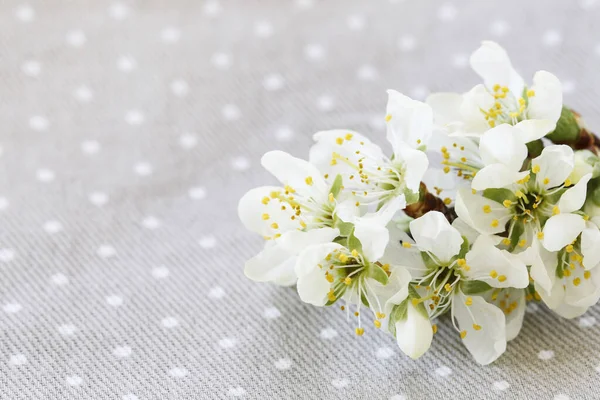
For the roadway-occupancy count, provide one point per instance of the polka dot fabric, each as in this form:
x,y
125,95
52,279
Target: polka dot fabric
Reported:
x,y
130,129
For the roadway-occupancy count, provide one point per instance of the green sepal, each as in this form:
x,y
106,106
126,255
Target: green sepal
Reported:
x,y
428,261
411,197
413,294
518,227
554,197
354,243
559,257
345,228
399,313
377,273
464,248
567,129
535,148
499,195
474,287
336,186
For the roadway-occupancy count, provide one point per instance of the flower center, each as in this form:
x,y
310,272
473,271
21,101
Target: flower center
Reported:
x,y
507,108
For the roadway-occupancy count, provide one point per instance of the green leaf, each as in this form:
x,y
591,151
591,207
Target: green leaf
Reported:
x,y
354,243
377,273
345,228
336,186
499,195
567,128
517,230
474,287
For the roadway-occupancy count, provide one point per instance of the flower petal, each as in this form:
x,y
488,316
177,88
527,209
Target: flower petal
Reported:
x,y
409,121
534,129
582,288
548,99
574,197
273,264
556,163
258,212
503,145
477,99
561,230
590,250
415,165
433,233
485,327
496,176
445,106
312,283
543,267
470,208
371,229
414,334
492,64
296,241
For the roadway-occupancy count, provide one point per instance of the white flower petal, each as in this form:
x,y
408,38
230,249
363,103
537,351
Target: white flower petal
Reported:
x,y
503,145
433,233
548,99
496,176
445,106
410,121
312,285
581,291
556,163
296,241
470,208
543,267
561,230
273,264
465,230
371,229
475,100
251,210
574,197
394,292
416,163
554,298
514,319
488,342
492,64
590,248
534,129
301,175
414,334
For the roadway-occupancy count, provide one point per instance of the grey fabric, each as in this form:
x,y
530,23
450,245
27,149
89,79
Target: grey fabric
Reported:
x,y
128,131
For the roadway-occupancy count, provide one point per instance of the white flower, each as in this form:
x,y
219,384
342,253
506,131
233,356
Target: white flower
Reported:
x,y
301,213
448,274
366,170
584,164
542,198
502,99
352,269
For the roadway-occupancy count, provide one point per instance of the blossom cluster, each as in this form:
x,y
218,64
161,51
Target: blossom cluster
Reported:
x,y
482,202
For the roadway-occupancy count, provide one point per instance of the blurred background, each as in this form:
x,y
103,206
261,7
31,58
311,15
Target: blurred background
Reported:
x,y
130,129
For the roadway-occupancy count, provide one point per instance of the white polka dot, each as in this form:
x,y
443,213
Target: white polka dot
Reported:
x,y
443,371
114,300
25,13
197,193
122,351
273,82
501,385
143,169
83,94
328,333
397,397
545,354
271,313
170,34
126,63
284,133
106,251
3,203
39,123
31,68
385,353
236,392
568,86
74,380
227,343
587,4
208,242
231,112
212,8
447,12
169,322
217,292
98,198
130,396
419,92
17,359
59,279
240,163
263,29
356,22
587,322
532,307
325,103
12,308
188,140
283,363
314,52
180,88
53,226
44,175
499,28
178,372
76,38
134,117
407,43
90,146
151,222
598,368
340,383
160,272
551,38
7,255
221,60
561,397
460,60
118,11
366,73
67,329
